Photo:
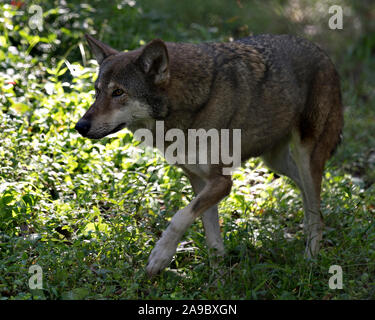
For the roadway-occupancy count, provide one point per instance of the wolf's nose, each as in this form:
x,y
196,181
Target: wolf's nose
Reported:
x,y
83,126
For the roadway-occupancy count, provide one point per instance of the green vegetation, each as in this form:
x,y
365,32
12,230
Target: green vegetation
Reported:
x,y
89,212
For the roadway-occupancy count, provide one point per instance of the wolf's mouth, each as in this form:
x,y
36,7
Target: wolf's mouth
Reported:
x,y
118,128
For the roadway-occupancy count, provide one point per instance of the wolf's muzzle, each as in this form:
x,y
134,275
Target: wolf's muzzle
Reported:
x,y
83,127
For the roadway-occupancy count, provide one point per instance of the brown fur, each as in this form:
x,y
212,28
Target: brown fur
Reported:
x,y
283,92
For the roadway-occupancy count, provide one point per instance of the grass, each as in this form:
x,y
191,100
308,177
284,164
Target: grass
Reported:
x,y
89,212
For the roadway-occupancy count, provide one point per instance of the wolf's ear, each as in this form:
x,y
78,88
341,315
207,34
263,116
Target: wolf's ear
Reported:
x,y
154,62
99,49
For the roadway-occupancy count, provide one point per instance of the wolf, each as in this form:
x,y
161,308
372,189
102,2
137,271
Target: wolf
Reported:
x,y
282,91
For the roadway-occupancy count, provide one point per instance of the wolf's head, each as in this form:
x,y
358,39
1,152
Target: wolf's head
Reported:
x,y
130,89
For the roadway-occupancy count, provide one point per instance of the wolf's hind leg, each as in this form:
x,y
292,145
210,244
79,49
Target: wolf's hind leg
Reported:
x,y
314,142
279,159
296,166
313,221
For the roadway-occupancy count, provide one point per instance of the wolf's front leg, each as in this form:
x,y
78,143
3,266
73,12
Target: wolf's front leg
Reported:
x,y
216,188
166,247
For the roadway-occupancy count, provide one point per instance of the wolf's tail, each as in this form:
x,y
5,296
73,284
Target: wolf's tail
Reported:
x,y
323,117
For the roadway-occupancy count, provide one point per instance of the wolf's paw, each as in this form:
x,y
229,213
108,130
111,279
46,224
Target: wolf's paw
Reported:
x,y
160,257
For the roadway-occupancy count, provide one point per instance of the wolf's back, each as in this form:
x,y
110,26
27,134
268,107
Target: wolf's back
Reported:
x,y
287,55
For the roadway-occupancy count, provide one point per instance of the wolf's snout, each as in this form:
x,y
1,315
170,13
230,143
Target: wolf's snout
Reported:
x,y
83,126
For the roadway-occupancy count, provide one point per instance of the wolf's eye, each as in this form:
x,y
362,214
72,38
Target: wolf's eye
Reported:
x,y
117,93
